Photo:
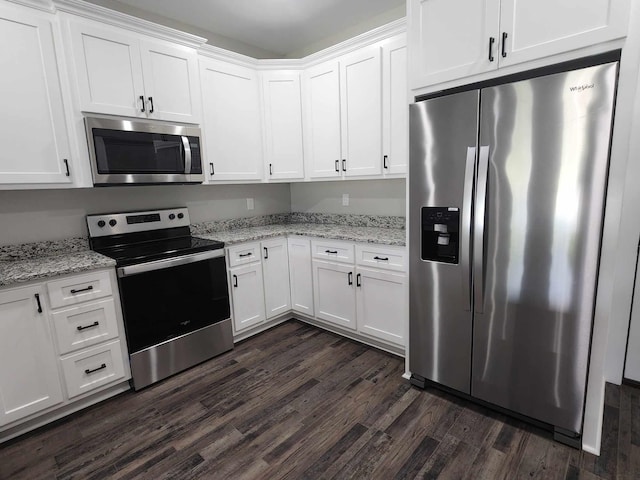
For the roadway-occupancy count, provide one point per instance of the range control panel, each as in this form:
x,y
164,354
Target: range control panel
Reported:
x,y
119,223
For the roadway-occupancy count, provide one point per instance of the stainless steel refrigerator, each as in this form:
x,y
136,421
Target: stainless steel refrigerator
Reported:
x,y
507,187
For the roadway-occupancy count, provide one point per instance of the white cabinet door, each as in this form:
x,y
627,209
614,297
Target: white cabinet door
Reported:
x,y
33,129
231,121
29,380
547,27
275,269
171,83
334,293
381,304
300,275
322,128
108,70
361,106
247,294
451,39
283,148
395,107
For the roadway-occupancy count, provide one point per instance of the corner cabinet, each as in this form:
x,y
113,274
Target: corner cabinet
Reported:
x,y
122,73
29,378
33,125
283,150
446,45
232,127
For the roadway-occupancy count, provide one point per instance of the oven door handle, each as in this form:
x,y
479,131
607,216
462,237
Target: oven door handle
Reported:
x,y
187,154
168,263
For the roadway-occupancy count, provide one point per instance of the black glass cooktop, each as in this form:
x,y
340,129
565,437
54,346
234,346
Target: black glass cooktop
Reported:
x,y
134,248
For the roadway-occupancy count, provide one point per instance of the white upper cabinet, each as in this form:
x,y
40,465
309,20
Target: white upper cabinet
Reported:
x,y
171,81
344,115
120,73
322,127
451,39
395,107
283,150
456,39
231,124
361,103
33,126
547,27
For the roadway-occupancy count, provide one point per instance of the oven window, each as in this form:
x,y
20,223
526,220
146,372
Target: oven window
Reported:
x,y
122,152
165,304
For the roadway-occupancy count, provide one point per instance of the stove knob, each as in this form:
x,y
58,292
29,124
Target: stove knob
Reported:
x,y
112,222
181,215
101,223
172,216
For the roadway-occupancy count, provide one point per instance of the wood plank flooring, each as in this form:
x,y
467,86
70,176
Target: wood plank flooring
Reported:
x,y
297,402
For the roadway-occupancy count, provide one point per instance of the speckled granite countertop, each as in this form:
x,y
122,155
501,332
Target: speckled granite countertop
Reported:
x,y
384,236
42,260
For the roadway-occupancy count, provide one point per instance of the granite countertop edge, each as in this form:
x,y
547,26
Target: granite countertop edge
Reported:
x,y
16,271
376,235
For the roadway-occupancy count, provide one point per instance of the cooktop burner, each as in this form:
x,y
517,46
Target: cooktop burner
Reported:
x,y
138,237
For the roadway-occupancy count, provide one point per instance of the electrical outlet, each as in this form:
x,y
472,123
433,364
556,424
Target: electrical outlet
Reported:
x,y
250,204
345,199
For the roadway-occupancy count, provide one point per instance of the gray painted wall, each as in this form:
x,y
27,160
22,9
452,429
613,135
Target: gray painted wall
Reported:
x,y
33,215
367,197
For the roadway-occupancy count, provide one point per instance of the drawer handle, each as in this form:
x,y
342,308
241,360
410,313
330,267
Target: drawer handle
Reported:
x,y
245,254
101,367
335,252
94,324
385,259
80,290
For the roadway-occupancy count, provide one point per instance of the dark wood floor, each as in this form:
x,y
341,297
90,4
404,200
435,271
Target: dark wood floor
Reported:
x,y
298,402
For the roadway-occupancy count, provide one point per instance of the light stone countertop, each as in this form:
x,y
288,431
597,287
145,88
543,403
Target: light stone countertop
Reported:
x,y
382,236
35,268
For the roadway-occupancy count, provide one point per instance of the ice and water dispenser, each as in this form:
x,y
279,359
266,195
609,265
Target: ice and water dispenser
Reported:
x,y
441,234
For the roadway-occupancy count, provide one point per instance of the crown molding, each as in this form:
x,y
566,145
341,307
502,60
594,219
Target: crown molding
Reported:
x,y
377,34
217,53
118,19
44,5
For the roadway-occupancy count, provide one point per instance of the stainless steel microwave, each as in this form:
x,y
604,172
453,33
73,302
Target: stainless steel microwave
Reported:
x,y
129,152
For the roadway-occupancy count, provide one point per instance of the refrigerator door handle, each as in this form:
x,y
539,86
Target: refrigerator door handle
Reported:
x,y
465,228
478,229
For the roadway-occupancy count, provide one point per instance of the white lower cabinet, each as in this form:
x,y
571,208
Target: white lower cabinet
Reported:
x,y
360,288
380,301
275,270
59,340
334,293
300,275
247,295
29,379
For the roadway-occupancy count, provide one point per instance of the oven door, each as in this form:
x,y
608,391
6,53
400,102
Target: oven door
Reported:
x,y
134,152
172,298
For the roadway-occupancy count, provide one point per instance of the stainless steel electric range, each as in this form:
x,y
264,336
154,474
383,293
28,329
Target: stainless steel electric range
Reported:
x,y
173,290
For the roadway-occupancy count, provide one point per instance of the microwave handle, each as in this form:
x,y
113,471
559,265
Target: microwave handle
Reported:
x,y
187,155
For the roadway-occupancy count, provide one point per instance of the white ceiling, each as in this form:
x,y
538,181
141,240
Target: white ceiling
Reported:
x,y
279,26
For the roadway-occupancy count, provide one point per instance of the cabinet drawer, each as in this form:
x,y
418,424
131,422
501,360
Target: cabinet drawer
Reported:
x,y
243,254
332,250
89,369
389,258
78,289
85,325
